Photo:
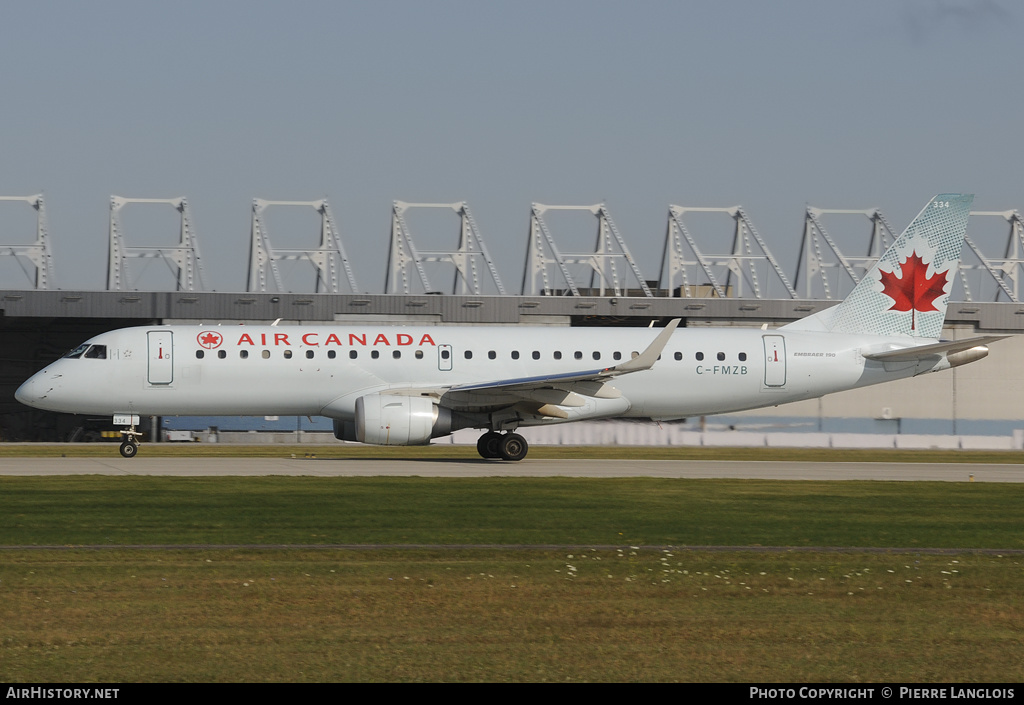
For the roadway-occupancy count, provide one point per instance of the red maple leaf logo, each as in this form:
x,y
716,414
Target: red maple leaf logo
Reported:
x,y
914,290
210,340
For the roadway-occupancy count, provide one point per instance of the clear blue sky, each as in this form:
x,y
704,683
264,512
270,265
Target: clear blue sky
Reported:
x,y
771,105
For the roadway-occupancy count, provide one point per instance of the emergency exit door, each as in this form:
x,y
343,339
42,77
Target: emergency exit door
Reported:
x,y
161,364
444,357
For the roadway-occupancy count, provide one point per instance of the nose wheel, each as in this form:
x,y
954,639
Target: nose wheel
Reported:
x,y
507,446
130,444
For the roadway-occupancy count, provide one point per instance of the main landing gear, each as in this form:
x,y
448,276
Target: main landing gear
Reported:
x,y
507,446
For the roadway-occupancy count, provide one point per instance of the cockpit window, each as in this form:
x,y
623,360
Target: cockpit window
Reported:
x,y
77,352
97,352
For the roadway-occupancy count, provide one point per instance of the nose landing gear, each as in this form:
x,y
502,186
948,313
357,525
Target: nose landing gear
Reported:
x,y
507,446
130,444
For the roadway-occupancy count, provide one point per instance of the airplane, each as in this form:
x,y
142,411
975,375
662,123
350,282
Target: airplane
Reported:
x,y
390,385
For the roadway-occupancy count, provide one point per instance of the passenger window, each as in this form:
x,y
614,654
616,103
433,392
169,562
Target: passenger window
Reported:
x,y
700,356
469,354
419,354
444,354
265,354
376,353
597,355
243,354
743,357
578,355
353,354
558,354
491,354
515,354
397,354
97,352
222,354
199,354
287,354
309,354
536,354
678,356
331,354
721,356
616,356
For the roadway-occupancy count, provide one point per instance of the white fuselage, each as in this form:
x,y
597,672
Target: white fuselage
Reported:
x,y
323,370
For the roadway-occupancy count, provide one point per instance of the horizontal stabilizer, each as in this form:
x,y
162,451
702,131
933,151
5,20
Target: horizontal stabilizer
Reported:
x,y
920,352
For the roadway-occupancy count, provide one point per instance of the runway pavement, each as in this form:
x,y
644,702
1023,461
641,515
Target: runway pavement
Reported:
x,y
336,467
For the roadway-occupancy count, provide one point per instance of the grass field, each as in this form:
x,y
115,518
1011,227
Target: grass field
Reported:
x,y
625,612
78,510
508,616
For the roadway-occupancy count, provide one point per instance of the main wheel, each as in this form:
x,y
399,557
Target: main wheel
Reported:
x,y
129,449
513,447
489,445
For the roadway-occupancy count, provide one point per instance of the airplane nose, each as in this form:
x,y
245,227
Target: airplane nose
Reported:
x,y
24,393
31,392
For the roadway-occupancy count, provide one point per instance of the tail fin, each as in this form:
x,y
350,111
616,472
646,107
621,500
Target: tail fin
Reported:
x,y
907,290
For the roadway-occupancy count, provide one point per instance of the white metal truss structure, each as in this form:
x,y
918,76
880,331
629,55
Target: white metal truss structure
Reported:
x,y
822,268
182,259
610,252
735,275
470,258
1006,270
329,259
38,253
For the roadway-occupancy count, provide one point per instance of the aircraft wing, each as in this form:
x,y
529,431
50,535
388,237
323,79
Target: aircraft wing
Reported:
x,y
643,361
919,352
564,389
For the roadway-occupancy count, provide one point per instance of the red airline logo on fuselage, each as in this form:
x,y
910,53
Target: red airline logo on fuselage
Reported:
x,y
316,339
210,340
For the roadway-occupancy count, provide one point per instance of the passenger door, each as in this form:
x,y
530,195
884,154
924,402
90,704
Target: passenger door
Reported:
x,y
774,360
161,364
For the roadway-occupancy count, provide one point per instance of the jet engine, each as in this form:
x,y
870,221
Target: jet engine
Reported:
x,y
389,420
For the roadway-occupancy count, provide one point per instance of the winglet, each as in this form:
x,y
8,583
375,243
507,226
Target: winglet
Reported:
x,y
646,359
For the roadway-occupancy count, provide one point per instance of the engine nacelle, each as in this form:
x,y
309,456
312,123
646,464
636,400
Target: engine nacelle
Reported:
x,y
965,356
389,420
